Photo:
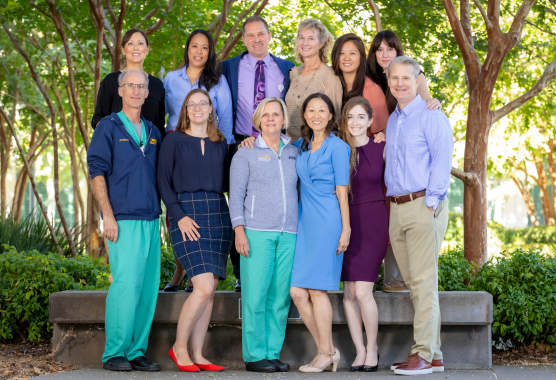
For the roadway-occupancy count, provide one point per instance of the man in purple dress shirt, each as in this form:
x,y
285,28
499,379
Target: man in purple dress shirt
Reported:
x,y
419,149
252,76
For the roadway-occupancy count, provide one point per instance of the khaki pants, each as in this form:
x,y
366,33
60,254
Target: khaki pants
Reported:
x,y
416,236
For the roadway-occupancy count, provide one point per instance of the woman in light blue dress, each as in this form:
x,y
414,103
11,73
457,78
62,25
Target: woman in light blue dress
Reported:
x,y
323,168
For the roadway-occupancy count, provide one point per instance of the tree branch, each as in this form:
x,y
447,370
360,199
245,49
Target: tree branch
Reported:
x,y
376,15
78,44
40,9
465,19
222,21
470,57
160,21
111,12
468,179
514,34
547,76
236,25
483,13
29,106
31,177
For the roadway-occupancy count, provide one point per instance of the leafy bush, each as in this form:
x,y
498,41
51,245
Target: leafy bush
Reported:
x,y
31,233
26,281
523,286
454,232
453,271
528,237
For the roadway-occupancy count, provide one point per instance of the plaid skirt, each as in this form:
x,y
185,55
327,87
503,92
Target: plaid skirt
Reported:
x,y
209,254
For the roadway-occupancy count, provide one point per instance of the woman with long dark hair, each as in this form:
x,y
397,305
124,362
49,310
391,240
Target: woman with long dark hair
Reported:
x,y
369,239
348,62
192,176
385,47
135,48
201,69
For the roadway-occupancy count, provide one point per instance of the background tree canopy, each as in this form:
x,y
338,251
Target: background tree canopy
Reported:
x,y
88,33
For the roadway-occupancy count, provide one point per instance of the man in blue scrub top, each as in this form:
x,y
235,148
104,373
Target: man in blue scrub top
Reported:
x,y
122,159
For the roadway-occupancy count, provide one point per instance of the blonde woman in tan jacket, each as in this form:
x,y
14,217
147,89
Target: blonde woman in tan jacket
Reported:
x,y
313,44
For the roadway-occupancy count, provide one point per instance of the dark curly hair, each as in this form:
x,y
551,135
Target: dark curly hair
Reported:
x,y
306,131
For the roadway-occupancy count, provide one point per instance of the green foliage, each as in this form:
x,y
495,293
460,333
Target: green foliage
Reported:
x,y
453,270
31,233
167,266
26,281
523,286
524,237
454,232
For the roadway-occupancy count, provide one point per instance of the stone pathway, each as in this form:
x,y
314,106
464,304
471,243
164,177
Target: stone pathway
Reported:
x,y
497,373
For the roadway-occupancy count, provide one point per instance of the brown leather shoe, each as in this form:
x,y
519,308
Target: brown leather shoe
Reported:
x,y
396,365
438,365
415,365
395,287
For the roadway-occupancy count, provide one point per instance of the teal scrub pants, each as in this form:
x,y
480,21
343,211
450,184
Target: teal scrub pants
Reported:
x,y
265,293
131,301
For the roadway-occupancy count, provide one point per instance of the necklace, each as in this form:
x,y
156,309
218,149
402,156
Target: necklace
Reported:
x,y
299,80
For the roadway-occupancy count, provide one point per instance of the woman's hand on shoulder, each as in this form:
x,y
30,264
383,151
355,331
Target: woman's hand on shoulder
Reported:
x,y
188,227
434,104
380,137
248,143
241,241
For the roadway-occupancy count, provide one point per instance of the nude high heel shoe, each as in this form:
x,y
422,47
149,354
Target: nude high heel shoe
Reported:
x,y
334,359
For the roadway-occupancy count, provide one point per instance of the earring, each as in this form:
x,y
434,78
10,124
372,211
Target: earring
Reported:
x,y
210,118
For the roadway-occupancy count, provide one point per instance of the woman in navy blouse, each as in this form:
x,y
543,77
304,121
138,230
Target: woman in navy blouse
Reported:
x,y
192,176
201,69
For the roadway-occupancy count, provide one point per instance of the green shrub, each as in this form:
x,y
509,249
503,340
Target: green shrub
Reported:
x,y
26,281
529,237
31,233
453,270
523,286
454,232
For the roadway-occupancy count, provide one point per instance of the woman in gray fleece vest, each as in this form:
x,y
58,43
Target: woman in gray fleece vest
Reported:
x,y
264,210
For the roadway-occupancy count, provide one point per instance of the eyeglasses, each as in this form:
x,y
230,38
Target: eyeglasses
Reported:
x,y
131,86
191,106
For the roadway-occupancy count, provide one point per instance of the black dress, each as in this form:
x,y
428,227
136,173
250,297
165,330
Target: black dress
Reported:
x,y
192,184
109,101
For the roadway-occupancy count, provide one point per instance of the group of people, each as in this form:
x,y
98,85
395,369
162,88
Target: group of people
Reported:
x,y
329,171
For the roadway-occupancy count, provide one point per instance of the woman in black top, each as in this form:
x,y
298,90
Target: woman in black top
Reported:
x,y
135,47
192,176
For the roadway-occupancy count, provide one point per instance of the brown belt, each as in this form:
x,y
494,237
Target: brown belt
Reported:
x,y
408,197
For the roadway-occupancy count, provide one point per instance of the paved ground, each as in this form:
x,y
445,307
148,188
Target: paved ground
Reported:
x,y
497,373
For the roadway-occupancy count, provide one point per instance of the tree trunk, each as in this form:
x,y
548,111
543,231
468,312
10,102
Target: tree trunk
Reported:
x,y
552,170
547,209
5,152
474,195
527,198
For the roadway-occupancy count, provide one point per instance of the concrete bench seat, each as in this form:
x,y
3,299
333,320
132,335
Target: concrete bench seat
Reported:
x,y
78,319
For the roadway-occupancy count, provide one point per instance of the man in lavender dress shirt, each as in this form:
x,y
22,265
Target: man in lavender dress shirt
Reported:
x,y
419,149
242,72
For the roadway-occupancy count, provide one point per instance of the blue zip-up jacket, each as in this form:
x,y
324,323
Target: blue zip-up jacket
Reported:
x,y
130,173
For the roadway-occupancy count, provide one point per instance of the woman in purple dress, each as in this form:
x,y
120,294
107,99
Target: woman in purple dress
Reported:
x,y
369,231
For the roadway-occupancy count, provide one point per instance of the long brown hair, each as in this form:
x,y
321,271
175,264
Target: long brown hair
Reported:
x,y
376,72
127,37
359,82
306,131
344,129
184,123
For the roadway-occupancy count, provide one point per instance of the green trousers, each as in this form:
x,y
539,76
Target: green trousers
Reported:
x,y
131,301
265,293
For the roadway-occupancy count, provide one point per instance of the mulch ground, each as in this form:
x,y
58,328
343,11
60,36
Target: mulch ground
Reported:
x,y
21,361
24,360
525,355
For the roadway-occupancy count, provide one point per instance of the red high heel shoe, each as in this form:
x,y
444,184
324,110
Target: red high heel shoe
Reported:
x,y
210,367
184,368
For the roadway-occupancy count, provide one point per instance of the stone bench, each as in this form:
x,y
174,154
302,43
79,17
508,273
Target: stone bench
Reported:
x,y
78,319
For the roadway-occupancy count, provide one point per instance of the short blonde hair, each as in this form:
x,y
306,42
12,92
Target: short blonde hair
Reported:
x,y
325,38
258,115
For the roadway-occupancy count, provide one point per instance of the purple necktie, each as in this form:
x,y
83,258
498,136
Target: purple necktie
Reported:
x,y
259,91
